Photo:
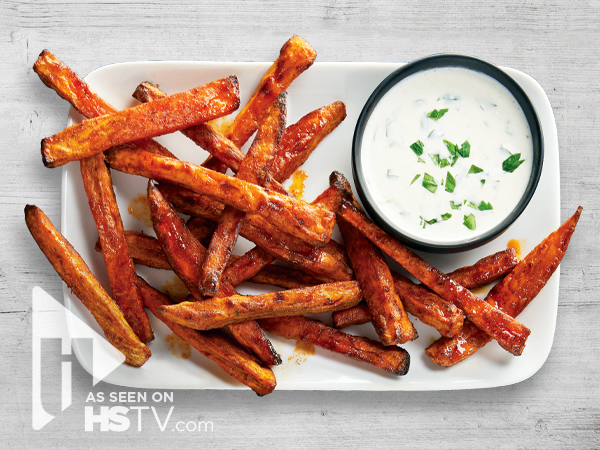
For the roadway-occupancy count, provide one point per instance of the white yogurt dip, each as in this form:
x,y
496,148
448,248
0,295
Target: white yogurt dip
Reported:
x,y
447,154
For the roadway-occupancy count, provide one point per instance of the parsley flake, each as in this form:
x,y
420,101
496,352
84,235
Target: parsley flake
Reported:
x,y
415,178
429,183
512,162
417,147
475,169
450,183
469,222
436,115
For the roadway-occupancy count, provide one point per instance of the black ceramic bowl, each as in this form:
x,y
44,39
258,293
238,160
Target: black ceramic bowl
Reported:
x,y
431,62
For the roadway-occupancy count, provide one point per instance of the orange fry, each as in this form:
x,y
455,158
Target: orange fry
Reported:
x,y
310,223
218,312
82,282
294,58
486,270
59,77
97,184
392,359
510,334
253,169
185,255
511,295
216,346
170,114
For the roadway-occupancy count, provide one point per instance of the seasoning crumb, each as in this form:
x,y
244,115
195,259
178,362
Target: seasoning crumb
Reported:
x,y
139,209
301,352
178,346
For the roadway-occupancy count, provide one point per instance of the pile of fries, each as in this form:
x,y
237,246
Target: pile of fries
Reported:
x,y
320,275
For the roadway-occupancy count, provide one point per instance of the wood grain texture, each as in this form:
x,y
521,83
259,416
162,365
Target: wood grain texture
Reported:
x,y
554,41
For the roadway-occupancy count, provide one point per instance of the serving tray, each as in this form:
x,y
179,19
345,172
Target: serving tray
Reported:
x,y
322,84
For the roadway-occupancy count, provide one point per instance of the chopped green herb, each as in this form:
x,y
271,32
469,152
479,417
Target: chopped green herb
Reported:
x,y
450,183
425,222
446,216
455,205
452,148
454,159
420,160
512,162
483,206
417,147
429,183
439,162
483,182
415,178
390,174
469,222
436,115
475,169
465,149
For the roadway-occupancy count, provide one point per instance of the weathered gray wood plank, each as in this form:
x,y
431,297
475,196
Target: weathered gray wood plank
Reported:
x,y
556,42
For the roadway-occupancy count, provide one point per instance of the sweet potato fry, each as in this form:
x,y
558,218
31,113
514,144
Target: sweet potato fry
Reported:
x,y
392,359
310,223
301,138
97,184
253,169
298,142
373,274
486,270
170,114
216,346
67,84
509,333
419,301
185,255
294,58
98,187
147,251
317,262
511,295
218,312
78,277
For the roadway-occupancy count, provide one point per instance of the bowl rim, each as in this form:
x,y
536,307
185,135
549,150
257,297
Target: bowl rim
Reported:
x,y
436,61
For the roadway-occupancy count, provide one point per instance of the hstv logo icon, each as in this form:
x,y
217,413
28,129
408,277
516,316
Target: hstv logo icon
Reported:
x,y
51,320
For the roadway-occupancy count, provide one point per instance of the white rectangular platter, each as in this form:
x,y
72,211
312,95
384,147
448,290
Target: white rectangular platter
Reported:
x,y
322,84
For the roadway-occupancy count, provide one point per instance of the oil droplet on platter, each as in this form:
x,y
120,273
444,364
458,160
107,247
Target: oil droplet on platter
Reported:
x,y
139,209
178,346
297,186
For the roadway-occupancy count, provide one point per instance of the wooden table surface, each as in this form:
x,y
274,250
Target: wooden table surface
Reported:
x,y
556,42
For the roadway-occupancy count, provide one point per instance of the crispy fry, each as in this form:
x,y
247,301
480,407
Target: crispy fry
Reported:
x,y
511,295
298,142
216,346
429,307
486,270
317,262
301,138
147,251
97,183
373,274
185,255
253,169
294,58
509,333
392,359
98,187
419,301
164,116
218,312
67,84
310,223
78,277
